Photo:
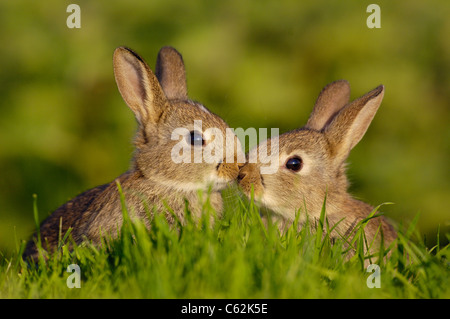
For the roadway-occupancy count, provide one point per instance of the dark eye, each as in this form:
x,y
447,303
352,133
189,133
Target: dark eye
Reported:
x,y
196,138
294,164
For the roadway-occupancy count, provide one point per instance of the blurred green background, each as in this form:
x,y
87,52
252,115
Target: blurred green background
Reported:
x,y
64,127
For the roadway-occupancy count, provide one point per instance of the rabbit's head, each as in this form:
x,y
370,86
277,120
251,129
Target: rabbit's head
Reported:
x,y
179,143
311,160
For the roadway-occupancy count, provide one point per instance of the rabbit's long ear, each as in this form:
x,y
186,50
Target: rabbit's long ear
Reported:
x,y
171,73
332,98
138,86
351,123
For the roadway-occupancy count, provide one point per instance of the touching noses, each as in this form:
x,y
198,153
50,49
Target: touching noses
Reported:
x,y
247,171
243,172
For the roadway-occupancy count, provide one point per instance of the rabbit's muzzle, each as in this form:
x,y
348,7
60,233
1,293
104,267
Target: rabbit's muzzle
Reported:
x,y
228,171
249,175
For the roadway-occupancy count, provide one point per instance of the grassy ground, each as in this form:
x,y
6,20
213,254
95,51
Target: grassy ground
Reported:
x,y
236,258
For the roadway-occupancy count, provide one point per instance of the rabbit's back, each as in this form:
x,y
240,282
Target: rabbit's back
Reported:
x,y
72,214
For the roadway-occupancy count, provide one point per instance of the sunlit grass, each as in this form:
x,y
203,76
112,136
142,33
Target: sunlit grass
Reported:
x,y
236,257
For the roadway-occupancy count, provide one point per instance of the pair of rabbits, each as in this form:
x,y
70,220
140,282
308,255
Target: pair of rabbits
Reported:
x,y
312,159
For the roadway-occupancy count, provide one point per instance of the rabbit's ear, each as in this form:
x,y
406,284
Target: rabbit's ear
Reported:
x,y
171,73
138,86
351,123
332,98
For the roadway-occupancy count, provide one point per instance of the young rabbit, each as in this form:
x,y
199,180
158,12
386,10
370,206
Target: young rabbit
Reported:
x,y
161,106
312,164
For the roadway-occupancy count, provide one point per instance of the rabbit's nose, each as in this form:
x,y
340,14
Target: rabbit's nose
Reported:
x,y
241,176
242,173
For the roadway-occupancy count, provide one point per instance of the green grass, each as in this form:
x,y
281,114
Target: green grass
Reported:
x,y
237,257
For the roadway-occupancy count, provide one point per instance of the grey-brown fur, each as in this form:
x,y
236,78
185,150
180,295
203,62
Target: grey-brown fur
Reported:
x,y
333,129
160,104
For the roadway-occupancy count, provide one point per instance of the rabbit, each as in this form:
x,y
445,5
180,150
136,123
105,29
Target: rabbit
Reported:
x,y
160,104
311,165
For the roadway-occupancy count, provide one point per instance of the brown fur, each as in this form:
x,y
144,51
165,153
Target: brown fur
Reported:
x,y
160,104
333,129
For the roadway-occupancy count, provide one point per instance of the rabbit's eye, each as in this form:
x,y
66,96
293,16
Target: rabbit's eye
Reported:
x,y
196,138
294,164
